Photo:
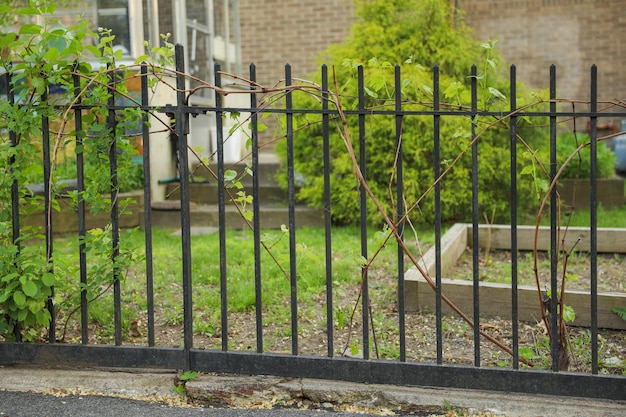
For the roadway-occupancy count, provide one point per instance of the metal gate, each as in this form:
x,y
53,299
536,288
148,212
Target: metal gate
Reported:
x,y
400,371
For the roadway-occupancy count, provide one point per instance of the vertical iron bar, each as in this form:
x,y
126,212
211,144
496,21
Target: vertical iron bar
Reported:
x,y
82,227
327,215
475,219
15,187
593,204
400,214
48,198
147,203
363,205
437,174
292,213
219,114
115,237
254,130
513,198
182,119
554,327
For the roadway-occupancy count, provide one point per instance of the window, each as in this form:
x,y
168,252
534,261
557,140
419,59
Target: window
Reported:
x,y
113,14
123,17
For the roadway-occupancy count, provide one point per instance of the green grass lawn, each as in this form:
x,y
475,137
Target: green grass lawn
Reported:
x,y
611,217
240,277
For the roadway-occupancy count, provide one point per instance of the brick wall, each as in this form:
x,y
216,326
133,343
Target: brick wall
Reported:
x,y
532,34
572,34
277,32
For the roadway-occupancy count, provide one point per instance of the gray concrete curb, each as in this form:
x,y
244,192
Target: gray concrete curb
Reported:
x,y
262,391
250,391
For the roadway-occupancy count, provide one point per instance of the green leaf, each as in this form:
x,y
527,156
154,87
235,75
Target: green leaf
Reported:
x,y
496,93
48,279
621,312
527,170
453,89
542,185
360,260
19,298
43,317
22,314
52,54
30,29
10,277
187,375
568,314
94,50
30,288
230,175
6,39
142,58
526,352
371,93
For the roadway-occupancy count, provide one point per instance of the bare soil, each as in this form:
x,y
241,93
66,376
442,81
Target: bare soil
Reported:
x,y
495,266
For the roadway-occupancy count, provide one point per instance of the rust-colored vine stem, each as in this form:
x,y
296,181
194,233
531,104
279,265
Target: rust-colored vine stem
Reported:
x,y
345,135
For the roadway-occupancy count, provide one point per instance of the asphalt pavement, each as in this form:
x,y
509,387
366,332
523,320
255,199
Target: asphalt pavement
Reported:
x,y
26,404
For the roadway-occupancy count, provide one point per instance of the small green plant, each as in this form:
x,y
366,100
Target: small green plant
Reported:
x,y
621,312
182,379
243,200
25,288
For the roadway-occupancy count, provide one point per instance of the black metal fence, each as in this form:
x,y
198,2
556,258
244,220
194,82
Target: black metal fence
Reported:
x,y
515,377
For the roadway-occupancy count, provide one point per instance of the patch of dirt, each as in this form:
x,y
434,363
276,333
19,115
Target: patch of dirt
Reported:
x,y
495,266
457,337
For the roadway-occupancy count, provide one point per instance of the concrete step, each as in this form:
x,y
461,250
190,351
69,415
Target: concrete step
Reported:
x,y
266,172
207,193
271,217
204,197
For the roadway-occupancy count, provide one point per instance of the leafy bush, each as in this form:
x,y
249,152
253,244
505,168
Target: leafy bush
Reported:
x,y
416,35
580,165
43,61
130,174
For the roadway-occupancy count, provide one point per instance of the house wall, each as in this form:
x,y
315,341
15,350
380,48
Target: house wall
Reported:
x,y
532,34
572,34
277,32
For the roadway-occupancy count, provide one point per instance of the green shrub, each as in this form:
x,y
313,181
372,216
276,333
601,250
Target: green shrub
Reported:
x,y
580,165
45,53
416,35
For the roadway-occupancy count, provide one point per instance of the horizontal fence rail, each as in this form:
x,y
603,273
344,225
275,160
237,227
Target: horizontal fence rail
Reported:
x,y
351,356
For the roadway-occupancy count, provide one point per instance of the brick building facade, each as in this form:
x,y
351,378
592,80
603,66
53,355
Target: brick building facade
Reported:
x,y
532,34
572,34
277,32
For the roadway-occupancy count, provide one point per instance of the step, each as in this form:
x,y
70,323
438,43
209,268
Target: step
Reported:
x,y
266,172
207,193
271,217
